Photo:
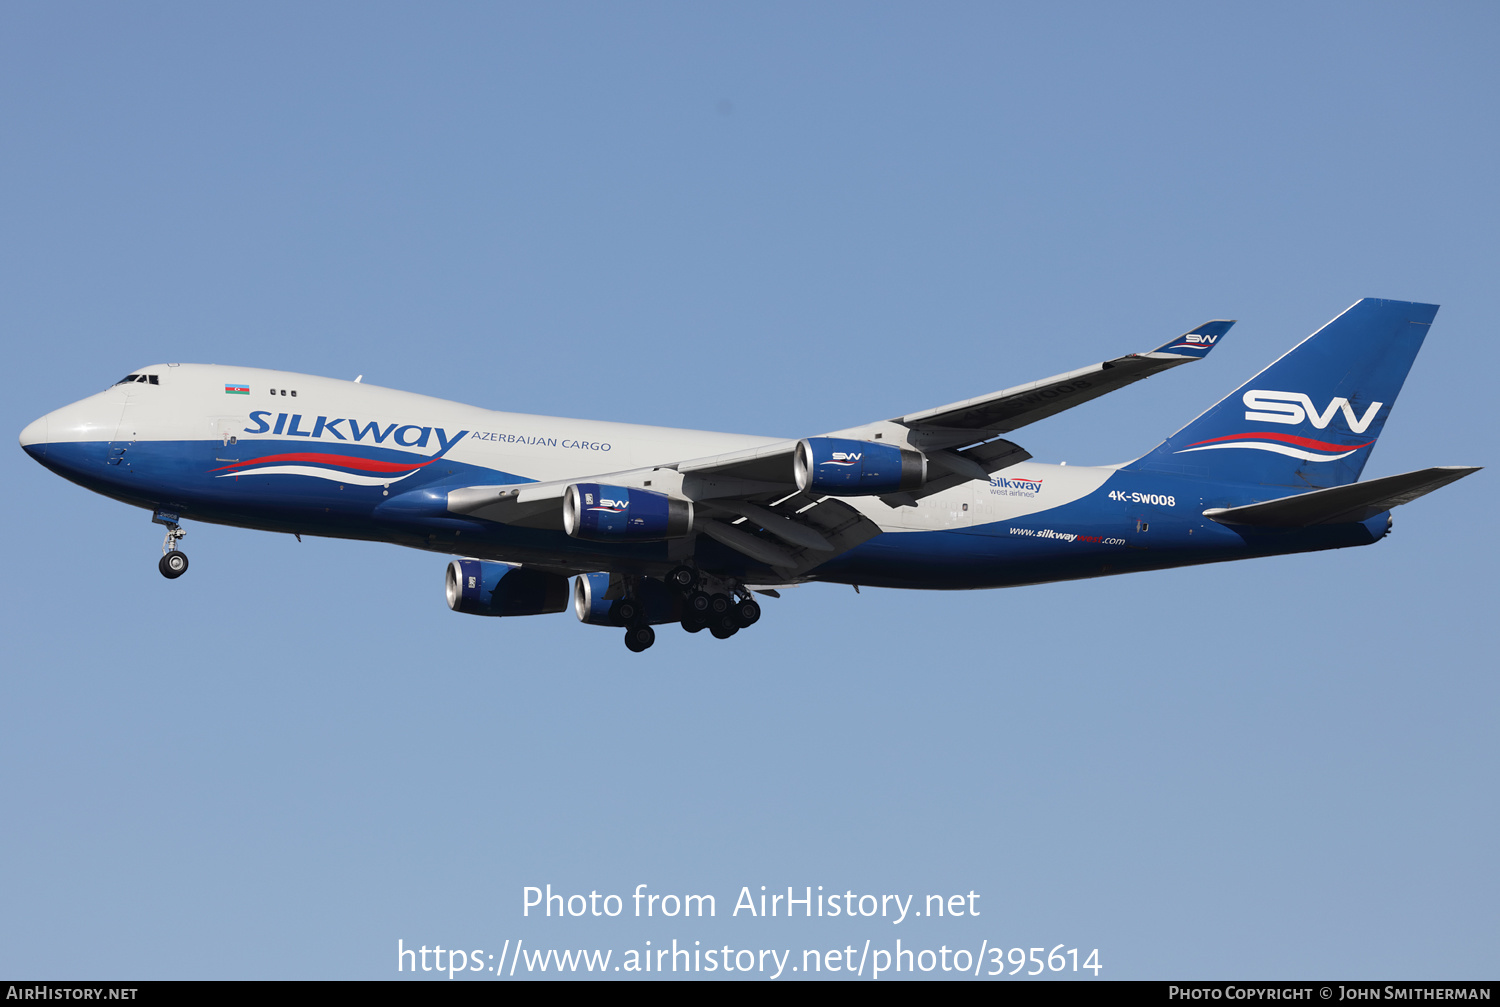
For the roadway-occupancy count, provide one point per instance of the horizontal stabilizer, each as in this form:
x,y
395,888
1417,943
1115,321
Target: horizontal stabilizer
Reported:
x,y
1341,504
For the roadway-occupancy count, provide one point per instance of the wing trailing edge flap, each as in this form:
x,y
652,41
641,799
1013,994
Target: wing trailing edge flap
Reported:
x,y
808,531
1341,504
784,528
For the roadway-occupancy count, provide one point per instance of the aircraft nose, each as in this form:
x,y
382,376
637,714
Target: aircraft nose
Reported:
x,y
34,438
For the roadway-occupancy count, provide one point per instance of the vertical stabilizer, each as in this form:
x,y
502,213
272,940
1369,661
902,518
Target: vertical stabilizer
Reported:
x,y
1311,419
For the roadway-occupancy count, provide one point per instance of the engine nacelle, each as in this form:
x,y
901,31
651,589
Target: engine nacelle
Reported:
x,y
589,603
659,603
600,513
843,467
476,587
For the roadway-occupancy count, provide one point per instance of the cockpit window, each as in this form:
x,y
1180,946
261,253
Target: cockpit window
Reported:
x,y
153,379
127,378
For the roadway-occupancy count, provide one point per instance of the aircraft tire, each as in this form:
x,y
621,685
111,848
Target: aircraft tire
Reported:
x,y
747,612
723,629
699,604
625,611
639,638
682,578
719,604
693,625
173,565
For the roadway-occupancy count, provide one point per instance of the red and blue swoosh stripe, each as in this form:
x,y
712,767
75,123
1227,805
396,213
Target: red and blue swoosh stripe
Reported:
x,y
1305,448
323,465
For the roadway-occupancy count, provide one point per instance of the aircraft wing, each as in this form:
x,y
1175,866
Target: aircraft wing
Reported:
x,y
976,420
772,523
750,500
1003,411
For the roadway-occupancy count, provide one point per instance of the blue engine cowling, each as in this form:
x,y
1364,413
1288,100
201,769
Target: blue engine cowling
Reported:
x,y
476,587
661,604
601,513
843,467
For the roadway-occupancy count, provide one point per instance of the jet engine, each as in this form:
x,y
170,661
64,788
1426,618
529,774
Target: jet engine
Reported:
x,y
600,513
477,587
843,467
656,602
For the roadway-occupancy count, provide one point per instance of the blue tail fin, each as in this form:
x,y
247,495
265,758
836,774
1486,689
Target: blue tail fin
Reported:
x,y
1311,419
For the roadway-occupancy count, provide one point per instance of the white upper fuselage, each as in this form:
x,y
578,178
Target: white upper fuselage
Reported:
x,y
196,402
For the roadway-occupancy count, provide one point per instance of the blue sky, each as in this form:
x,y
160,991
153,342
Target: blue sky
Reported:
x,y
776,219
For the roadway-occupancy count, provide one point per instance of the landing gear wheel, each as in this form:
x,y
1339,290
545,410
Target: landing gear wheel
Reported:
x,y
719,604
639,638
699,604
694,625
626,611
173,562
723,627
747,612
682,578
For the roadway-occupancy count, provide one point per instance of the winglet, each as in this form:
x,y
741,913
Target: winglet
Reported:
x,y
1196,343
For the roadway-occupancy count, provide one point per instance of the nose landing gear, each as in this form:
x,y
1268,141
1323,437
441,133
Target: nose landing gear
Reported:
x,y
174,562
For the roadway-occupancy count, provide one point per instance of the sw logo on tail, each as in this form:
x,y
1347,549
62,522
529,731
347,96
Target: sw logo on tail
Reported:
x,y
1295,407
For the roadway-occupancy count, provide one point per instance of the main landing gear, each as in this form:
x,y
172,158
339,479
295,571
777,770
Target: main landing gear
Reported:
x,y
639,638
629,612
719,606
174,562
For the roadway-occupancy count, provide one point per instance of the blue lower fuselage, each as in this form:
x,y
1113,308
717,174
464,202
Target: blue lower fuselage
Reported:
x,y
1134,520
